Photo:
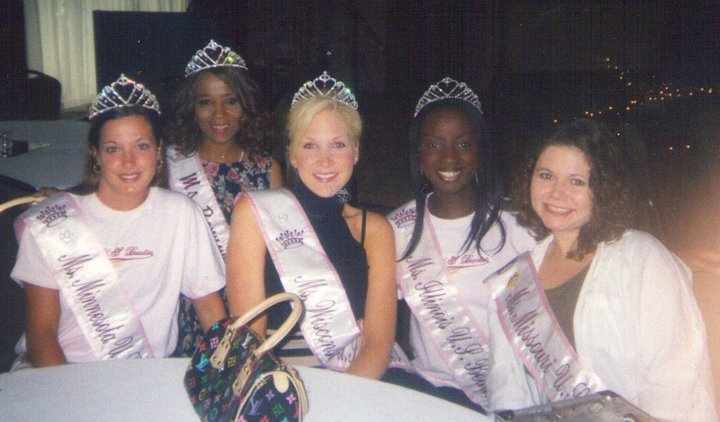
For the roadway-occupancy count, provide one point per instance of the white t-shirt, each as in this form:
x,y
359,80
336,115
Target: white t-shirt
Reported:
x,y
159,249
468,270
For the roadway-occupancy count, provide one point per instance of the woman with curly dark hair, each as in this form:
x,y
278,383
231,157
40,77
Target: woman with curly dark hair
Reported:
x,y
608,308
217,148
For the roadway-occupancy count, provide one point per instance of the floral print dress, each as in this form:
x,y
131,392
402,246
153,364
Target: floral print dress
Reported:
x,y
227,181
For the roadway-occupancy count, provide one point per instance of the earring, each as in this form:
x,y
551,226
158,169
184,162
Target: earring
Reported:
x,y
477,179
343,195
96,167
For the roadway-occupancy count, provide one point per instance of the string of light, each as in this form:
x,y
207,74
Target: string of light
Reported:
x,y
662,93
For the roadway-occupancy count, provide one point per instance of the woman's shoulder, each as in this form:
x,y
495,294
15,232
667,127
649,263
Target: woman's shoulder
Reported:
x,y
375,223
246,202
377,220
163,194
168,201
635,242
641,254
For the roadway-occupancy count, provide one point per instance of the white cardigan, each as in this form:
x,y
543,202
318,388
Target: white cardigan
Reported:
x,y
637,326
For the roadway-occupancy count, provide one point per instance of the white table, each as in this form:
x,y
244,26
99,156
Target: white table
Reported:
x,y
152,390
58,152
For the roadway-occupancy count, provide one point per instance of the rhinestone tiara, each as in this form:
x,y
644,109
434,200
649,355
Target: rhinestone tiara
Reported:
x,y
448,88
325,86
214,55
124,92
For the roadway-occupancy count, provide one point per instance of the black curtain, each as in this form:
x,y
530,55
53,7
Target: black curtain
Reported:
x,y
12,38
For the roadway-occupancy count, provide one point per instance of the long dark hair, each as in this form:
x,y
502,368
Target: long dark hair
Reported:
x,y
489,186
90,181
255,126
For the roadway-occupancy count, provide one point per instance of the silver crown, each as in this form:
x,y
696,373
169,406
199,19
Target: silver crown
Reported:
x,y
448,88
123,93
325,86
214,55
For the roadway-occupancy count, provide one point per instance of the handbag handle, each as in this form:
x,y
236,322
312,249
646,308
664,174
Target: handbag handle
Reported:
x,y
30,199
284,328
217,359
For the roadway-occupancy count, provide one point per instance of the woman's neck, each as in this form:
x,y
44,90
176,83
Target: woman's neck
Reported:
x,y
125,202
556,268
313,203
451,206
565,242
228,152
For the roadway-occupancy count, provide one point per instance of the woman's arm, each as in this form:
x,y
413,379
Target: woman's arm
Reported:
x,y
43,318
672,344
276,175
701,260
378,331
209,309
245,280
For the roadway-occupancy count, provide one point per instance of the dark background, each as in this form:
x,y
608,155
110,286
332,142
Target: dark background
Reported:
x,y
534,64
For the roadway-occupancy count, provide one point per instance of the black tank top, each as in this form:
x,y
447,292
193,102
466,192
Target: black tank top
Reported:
x,y
345,253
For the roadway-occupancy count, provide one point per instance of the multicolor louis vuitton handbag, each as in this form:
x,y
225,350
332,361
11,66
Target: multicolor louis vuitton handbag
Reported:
x,y
234,376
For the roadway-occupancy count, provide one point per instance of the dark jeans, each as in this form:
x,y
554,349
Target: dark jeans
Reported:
x,y
415,382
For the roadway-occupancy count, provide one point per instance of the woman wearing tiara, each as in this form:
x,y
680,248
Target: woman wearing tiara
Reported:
x,y
103,269
608,308
307,240
218,136
449,239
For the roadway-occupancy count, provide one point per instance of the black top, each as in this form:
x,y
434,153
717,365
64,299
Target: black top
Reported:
x,y
345,253
563,299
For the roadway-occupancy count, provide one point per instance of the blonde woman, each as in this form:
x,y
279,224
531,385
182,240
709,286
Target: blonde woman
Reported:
x,y
308,240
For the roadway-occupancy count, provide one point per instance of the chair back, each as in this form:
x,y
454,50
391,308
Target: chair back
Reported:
x,y
12,300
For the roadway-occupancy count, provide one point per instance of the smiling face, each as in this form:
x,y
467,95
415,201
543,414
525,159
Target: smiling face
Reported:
x,y
560,190
127,155
324,154
448,152
217,109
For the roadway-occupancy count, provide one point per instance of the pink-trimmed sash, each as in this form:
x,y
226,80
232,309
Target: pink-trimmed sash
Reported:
x,y
186,175
435,303
329,326
87,279
537,339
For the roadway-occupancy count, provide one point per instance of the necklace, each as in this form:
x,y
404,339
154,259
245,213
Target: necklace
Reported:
x,y
225,156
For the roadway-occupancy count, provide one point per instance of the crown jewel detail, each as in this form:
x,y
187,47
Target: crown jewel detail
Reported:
x,y
325,86
448,88
404,217
214,55
290,239
124,92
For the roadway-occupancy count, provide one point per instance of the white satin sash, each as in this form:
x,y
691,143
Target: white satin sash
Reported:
x,y
186,175
537,339
329,326
87,279
436,304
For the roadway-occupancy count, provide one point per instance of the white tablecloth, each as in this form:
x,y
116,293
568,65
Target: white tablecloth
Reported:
x,y
58,152
152,390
